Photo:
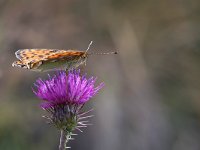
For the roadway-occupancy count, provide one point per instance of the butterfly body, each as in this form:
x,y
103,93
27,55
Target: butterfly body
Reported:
x,y
49,59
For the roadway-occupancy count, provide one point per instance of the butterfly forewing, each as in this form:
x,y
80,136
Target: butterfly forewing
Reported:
x,y
49,58
29,55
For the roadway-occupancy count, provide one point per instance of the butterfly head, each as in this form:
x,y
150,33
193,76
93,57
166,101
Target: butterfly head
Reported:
x,y
84,55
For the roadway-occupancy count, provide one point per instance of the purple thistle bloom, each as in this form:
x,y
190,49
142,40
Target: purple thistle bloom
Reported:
x,y
64,95
63,89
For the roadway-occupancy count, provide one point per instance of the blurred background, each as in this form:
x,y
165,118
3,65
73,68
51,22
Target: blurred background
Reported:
x,y
151,100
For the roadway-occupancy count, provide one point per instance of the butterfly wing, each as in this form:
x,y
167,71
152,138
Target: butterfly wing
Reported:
x,y
63,59
41,58
32,55
19,64
65,54
28,57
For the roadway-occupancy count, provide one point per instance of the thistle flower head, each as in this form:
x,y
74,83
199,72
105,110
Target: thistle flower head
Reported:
x,y
66,89
63,96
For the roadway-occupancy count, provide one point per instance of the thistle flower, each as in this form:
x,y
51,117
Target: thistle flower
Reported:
x,y
63,96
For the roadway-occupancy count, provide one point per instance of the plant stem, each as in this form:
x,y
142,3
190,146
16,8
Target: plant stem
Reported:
x,y
63,140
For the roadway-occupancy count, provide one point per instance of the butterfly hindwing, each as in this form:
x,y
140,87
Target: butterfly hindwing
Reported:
x,y
19,63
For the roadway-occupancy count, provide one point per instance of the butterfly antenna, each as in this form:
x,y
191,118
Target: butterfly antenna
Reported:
x,y
87,50
88,46
98,53
103,53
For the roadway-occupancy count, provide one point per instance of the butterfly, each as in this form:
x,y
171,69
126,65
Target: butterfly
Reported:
x,y
51,59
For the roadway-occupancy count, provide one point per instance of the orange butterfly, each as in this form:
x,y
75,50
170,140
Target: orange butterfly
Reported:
x,y
50,59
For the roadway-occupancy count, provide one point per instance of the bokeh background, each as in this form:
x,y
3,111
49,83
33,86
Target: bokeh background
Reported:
x,y
151,100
